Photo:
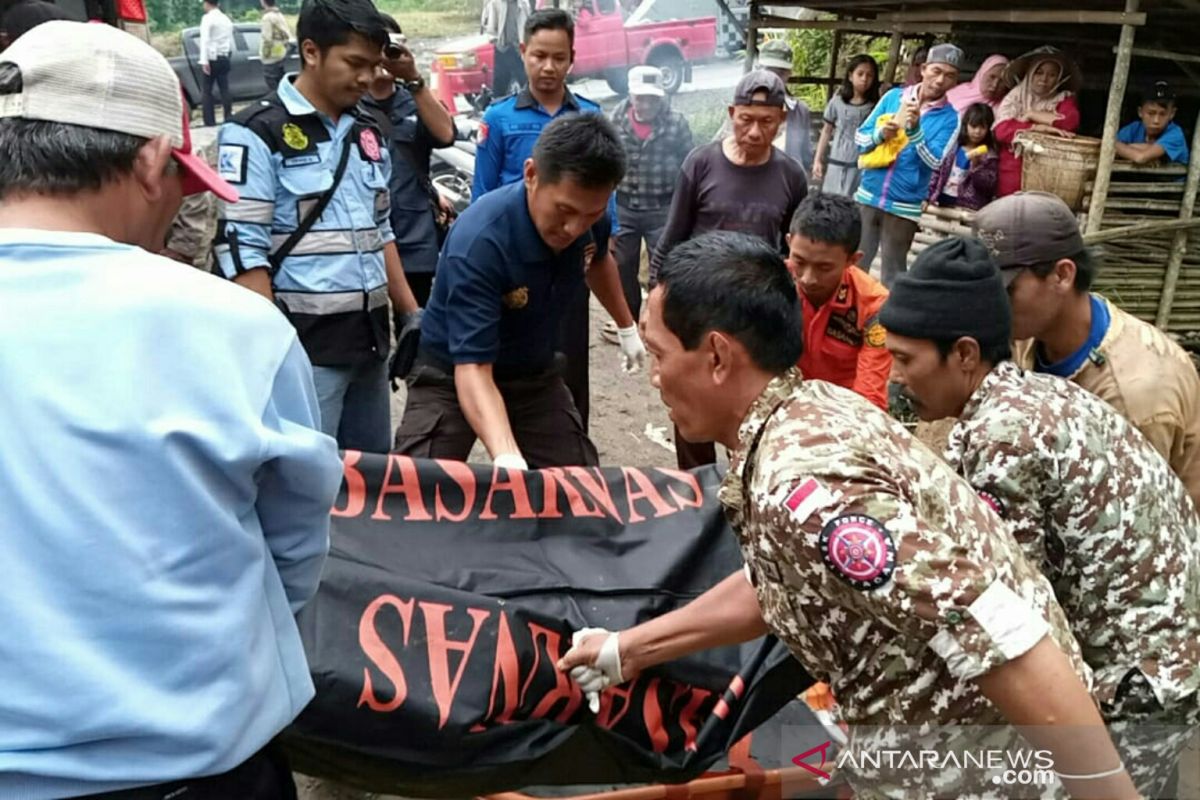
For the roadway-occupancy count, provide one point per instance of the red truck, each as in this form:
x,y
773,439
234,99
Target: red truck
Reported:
x,y
606,46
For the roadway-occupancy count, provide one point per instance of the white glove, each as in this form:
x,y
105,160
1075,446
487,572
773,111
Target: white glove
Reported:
x,y
633,352
510,461
604,672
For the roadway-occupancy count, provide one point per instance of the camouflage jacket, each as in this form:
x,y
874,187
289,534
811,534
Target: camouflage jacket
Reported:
x,y
882,570
1092,502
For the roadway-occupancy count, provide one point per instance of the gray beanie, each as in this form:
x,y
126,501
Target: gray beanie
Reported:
x,y
952,290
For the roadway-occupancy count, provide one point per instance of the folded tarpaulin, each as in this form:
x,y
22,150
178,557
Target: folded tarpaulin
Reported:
x,y
451,591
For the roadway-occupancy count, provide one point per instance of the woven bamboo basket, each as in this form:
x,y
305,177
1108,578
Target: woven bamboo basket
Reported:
x,y
1060,166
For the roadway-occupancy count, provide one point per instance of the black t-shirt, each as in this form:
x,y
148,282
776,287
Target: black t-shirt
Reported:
x,y
714,194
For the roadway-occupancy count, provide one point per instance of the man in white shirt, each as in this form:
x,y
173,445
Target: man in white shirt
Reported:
x,y
216,43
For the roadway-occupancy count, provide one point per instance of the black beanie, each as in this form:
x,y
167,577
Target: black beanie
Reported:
x,y
953,289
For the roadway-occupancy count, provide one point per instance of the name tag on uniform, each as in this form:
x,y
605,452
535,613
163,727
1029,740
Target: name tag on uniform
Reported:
x,y
301,161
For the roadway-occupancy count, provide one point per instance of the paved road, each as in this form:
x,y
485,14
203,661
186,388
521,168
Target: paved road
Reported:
x,y
705,77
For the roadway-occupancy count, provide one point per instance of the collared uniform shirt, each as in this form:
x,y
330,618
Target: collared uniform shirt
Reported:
x,y
333,285
843,340
495,300
883,571
508,133
1148,379
166,512
216,36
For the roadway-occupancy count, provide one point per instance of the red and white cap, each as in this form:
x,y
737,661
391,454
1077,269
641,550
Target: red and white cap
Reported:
x,y
97,76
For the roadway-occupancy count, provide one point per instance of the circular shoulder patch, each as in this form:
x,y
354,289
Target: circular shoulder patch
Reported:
x,y
859,549
989,497
876,334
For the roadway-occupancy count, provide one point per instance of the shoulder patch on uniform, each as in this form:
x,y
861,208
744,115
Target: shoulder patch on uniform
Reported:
x,y
859,550
368,143
231,162
806,498
483,133
517,298
875,333
989,496
294,137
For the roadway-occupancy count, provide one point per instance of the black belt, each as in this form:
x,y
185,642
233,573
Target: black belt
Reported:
x,y
837,163
433,361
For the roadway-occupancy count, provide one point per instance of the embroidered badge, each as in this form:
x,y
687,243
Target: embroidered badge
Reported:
x,y
993,501
842,293
875,334
294,137
859,549
483,132
369,143
807,498
231,163
517,298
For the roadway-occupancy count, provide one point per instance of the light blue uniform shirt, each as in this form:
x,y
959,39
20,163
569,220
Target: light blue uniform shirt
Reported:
x,y
165,501
338,267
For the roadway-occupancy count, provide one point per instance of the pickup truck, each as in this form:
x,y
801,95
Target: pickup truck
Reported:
x,y
605,47
246,81
128,15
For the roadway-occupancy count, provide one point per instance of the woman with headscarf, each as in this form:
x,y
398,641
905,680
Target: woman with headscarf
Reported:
x,y
986,87
1043,100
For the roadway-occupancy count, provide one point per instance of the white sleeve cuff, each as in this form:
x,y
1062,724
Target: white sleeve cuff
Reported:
x,y
1009,624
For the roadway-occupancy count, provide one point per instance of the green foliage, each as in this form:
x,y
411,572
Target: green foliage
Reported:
x,y
810,55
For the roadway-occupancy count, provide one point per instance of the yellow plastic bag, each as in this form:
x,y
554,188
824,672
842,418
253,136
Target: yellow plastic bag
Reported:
x,y
884,154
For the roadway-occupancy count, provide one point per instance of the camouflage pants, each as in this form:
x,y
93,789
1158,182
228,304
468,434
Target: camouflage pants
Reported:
x,y
1151,739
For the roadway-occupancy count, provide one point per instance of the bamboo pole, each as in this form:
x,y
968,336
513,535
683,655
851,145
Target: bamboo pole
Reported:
x,y
1098,237
893,57
833,65
1112,121
1179,246
1129,18
751,43
851,25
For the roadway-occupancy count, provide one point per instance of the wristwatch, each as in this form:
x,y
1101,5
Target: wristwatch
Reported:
x,y
415,85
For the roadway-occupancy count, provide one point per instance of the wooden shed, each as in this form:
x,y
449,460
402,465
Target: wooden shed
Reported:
x,y
1141,216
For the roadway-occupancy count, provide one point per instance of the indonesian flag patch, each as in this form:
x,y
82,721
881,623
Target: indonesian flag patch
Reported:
x,y
483,131
808,497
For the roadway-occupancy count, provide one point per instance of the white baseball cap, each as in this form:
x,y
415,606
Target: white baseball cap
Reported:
x,y
646,81
97,76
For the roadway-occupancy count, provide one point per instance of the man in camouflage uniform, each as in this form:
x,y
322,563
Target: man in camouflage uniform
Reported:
x,y
883,572
1087,496
190,237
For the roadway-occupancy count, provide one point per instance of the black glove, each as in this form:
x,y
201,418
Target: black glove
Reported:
x,y
408,339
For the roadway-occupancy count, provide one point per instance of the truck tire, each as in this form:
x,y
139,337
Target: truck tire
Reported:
x,y
673,67
617,79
